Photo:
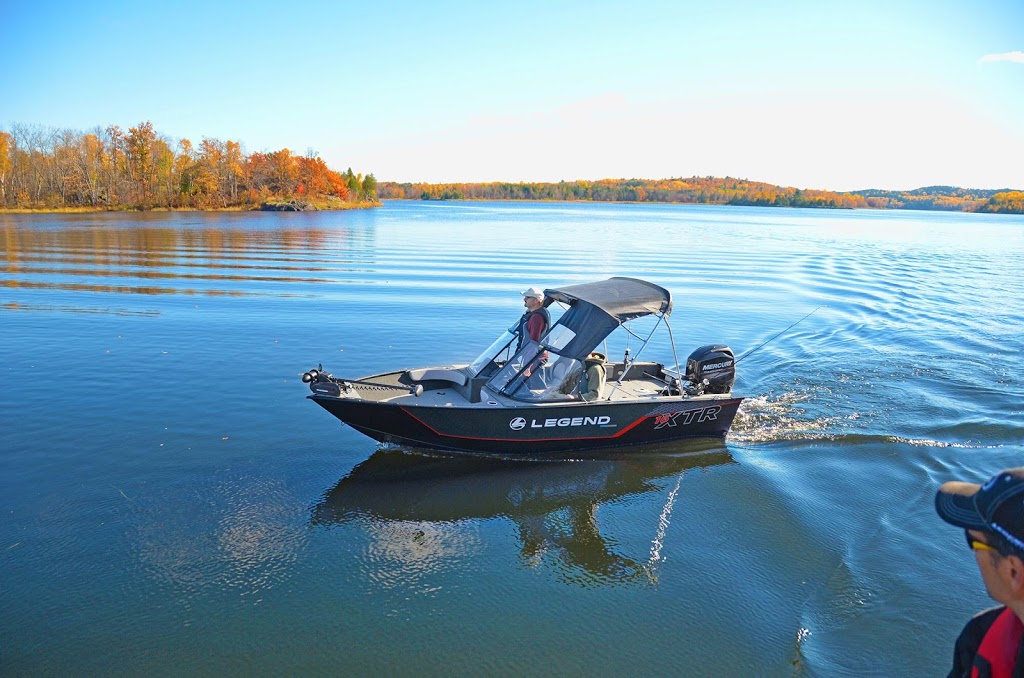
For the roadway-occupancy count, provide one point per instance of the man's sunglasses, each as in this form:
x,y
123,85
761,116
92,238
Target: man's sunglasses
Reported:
x,y
977,544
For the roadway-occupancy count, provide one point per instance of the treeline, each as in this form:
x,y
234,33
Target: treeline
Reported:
x,y
140,169
713,191
949,198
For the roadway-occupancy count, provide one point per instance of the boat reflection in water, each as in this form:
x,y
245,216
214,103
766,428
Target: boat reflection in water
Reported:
x,y
553,504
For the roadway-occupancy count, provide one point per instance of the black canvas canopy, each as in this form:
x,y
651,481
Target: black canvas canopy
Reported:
x,y
597,308
621,298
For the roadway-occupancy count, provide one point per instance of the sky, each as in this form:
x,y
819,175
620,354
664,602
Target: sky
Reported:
x,y
813,94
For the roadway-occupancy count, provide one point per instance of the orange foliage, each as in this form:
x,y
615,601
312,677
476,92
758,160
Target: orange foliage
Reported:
x,y
715,191
1009,202
139,169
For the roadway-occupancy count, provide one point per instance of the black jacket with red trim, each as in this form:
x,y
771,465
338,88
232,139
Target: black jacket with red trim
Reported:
x,y
969,641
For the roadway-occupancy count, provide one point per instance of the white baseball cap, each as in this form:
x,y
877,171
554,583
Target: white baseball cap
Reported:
x,y
533,292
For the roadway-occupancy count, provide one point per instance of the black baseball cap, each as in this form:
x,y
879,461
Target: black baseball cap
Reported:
x,y
997,506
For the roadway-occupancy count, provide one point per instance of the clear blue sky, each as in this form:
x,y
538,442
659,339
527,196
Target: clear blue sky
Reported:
x,y
814,94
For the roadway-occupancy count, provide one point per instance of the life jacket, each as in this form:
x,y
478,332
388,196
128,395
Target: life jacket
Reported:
x,y
997,654
523,334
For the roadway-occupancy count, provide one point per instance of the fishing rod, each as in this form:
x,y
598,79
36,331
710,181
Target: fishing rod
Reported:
x,y
757,348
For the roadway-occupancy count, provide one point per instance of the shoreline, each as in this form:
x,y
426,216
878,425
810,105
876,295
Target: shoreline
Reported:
x,y
651,202
700,204
311,207
285,206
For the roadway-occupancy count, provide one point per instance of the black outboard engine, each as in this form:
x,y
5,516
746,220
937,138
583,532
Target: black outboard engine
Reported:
x,y
714,363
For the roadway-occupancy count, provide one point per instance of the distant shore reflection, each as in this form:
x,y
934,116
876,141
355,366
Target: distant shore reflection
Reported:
x,y
84,253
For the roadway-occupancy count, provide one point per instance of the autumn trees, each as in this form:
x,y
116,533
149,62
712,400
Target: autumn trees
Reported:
x,y
110,168
715,191
1006,202
703,190
141,169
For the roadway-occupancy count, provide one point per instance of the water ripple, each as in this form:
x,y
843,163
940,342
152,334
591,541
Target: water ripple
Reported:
x,y
231,534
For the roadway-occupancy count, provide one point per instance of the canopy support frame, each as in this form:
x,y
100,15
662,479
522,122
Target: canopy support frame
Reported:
x,y
630,362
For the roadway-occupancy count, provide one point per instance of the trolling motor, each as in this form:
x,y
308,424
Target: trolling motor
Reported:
x,y
323,383
711,369
314,375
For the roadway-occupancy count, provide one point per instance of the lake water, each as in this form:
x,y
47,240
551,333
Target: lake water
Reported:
x,y
170,502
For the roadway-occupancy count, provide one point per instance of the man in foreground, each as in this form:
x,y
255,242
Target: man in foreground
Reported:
x,y
992,516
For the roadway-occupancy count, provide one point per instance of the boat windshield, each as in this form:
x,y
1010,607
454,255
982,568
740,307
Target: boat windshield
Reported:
x,y
537,372
537,375
496,354
499,353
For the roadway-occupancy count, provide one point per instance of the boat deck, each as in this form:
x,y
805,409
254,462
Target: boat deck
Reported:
x,y
638,385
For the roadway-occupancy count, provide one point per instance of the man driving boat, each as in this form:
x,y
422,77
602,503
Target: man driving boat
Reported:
x,y
536,320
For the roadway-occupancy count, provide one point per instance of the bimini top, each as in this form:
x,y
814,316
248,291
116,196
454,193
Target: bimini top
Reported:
x,y
621,298
597,308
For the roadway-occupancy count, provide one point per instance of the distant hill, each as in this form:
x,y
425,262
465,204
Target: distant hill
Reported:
x,y
716,191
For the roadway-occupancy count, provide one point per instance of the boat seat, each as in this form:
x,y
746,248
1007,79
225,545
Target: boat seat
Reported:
x,y
559,369
553,373
437,374
567,376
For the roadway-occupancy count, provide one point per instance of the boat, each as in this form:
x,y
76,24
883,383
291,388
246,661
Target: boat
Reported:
x,y
522,397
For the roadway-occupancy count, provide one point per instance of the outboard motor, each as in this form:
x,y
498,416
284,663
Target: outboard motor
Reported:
x,y
714,363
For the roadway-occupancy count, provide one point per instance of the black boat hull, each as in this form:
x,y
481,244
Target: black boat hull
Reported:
x,y
532,429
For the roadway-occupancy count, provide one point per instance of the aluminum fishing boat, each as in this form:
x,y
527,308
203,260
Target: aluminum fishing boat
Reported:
x,y
523,397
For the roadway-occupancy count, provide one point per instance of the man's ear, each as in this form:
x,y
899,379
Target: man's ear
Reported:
x,y
1014,568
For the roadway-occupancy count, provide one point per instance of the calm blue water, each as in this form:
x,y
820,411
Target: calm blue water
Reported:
x,y
170,503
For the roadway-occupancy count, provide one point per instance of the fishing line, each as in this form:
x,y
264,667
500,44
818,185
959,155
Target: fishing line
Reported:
x,y
757,348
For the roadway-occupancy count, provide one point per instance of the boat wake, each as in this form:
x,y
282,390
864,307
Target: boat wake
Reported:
x,y
924,442
788,416
772,417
